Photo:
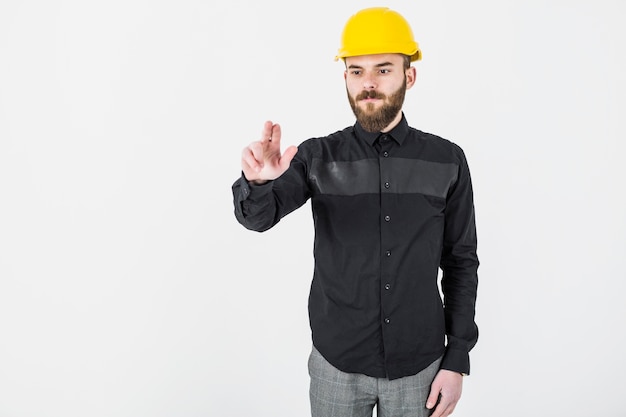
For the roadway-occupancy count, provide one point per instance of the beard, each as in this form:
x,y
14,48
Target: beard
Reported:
x,y
374,120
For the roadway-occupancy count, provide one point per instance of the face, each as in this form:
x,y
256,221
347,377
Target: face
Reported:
x,y
376,85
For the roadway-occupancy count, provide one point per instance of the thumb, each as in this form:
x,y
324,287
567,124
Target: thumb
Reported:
x,y
433,396
287,156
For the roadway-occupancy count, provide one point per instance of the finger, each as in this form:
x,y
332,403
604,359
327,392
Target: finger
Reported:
x,y
433,396
266,135
439,410
249,173
444,409
276,134
257,151
250,156
287,156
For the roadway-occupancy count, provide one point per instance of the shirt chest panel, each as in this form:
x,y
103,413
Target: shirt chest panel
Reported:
x,y
382,175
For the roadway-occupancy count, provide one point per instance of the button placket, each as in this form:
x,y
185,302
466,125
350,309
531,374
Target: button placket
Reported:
x,y
387,234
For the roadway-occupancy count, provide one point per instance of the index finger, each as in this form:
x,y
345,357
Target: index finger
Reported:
x,y
266,135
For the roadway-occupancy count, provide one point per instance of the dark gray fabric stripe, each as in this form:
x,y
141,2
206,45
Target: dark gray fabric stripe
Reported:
x,y
366,176
408,176
346,178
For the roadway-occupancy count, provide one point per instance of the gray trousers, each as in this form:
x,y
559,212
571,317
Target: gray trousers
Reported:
x,y
334,393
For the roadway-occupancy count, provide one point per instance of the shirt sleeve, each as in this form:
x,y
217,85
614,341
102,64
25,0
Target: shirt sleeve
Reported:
x,y
260,207
459,263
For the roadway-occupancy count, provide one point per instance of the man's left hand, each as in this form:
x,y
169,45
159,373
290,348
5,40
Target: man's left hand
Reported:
x,y
446,387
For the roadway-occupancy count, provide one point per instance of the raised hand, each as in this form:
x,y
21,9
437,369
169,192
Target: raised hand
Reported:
x,y
262,161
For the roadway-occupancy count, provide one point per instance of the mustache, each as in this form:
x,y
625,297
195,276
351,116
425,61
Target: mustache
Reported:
x,y
370,94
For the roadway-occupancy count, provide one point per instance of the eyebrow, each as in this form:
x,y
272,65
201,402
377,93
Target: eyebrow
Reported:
x,y
382,64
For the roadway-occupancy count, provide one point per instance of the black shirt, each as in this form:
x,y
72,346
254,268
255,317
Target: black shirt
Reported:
x,y
389,210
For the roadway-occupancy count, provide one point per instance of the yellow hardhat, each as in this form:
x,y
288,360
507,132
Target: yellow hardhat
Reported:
x,y
378,30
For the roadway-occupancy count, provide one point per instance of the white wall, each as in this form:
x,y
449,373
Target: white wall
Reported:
x,y
128,289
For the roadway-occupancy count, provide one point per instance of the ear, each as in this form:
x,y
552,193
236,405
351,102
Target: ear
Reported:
x,y
345,75
411,74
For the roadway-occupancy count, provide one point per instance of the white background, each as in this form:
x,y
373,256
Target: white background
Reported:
x,y
128,289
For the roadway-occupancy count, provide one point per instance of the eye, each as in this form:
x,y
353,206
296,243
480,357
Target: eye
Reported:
x,y
385,71
355,72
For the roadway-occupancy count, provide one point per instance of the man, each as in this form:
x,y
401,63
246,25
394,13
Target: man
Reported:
x,y
391,205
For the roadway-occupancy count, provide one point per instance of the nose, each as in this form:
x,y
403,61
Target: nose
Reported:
x,y
369,83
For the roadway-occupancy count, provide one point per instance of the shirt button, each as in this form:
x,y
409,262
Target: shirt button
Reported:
x,y
387,320
388,253
385,154
387,286
387,218
384,138
386,185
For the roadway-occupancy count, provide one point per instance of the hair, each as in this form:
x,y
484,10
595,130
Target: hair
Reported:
x,y
407,61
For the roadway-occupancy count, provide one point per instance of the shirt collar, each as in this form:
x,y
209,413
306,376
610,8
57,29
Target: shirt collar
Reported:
x,y
398,133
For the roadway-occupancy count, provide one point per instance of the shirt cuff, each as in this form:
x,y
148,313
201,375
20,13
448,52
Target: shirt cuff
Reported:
x,y
456,360
247,187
